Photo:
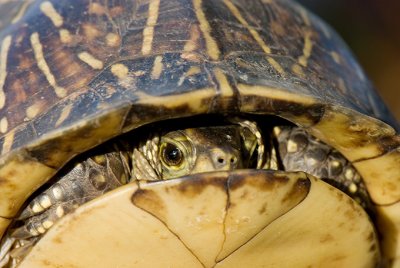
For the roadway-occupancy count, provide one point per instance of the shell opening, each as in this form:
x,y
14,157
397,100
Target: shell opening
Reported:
x,y
266,143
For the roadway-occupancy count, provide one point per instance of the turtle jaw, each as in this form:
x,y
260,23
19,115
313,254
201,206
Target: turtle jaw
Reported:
x,y
257,217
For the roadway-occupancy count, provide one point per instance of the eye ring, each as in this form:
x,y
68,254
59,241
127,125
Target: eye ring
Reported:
x,y
171,154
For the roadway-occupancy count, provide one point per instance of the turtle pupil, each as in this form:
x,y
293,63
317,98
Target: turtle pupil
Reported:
x,y
172,155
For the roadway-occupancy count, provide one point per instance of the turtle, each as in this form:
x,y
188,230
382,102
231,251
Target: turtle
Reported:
x,y
110,104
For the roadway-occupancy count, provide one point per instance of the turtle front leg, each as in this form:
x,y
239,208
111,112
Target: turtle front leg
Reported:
x,y
76,185
299,151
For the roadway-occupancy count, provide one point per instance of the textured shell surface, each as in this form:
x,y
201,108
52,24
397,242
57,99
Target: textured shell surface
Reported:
x,y
74,74
63,62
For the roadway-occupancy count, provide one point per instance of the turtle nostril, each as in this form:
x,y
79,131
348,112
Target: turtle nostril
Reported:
x,y
226,160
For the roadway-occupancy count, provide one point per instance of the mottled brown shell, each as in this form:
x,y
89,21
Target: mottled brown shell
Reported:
x,y
74,74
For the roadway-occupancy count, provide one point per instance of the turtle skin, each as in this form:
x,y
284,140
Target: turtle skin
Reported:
x,y
76,74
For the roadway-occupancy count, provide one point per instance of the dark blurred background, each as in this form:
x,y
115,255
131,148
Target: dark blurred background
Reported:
x,y
372,30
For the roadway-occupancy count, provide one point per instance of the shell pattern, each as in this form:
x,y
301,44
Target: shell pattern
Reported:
x,y
74,74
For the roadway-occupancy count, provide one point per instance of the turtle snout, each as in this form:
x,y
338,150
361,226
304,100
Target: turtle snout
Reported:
x,y
225,160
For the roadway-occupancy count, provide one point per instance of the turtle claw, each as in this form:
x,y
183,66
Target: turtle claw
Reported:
x,y
44,201
39,224
22,232
22,251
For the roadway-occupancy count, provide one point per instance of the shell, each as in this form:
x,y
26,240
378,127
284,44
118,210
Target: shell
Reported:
x,y
75,74
175,220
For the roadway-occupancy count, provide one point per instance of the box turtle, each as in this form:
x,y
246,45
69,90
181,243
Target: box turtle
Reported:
x,y
190,133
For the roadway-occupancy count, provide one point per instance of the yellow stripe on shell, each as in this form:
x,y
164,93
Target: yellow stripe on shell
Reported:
x,y
199,99
235,11
298,70
33,110
211,45
90,60
157,68
119,70
8,142
113,40
192,43
65,36
308,45
3,125
64,114
96,8
148,31
276,66
42,64
223,83
49,11
335,56
262,93
193,70
274,93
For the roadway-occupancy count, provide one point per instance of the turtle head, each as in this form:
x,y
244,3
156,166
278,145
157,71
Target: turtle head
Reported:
x,y
195,150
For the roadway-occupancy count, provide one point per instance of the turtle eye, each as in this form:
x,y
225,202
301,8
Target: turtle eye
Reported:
x,y
171,154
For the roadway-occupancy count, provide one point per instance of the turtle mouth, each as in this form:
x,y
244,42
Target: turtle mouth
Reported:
x,y
283,149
